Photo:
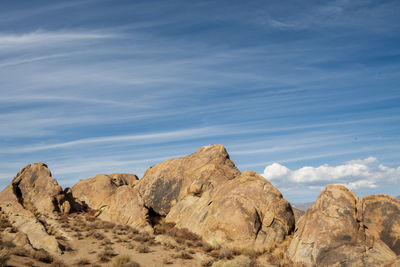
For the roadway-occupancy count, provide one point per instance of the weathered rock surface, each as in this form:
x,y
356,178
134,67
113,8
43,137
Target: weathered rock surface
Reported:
x,y
27,223
115,199
393,263
381,216
35,189
168,182
333,232
32,194
243,212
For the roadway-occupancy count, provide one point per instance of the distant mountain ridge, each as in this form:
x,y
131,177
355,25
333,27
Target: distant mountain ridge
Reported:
x,y
303,206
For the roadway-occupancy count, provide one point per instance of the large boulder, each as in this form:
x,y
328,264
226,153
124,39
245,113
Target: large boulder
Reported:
x,y
36,190
168,182
243,212
332,233
115,198
32,197
381,217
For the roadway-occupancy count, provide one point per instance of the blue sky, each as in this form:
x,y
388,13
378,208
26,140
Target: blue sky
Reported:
x,y
305,92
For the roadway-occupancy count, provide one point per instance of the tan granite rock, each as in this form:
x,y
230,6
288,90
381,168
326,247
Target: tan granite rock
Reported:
x,y
26,222
332,233
35,189
168,182
115,198
243,212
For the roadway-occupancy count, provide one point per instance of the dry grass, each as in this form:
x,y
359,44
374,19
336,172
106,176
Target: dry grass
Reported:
x,y
226,253
167,261
207,263
58,263
181,235
240,261
184,255
125,261
82,262
143,249
98,235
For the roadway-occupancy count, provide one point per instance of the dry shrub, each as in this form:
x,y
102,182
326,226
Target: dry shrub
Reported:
x,y
43,256
124,228
90,218
109,251
98,236
58,263
103,257
167,261
276,253
207,262
4,257
181,235
60,237
125,261
142,249
160,229
226,253
207,247
82,262
240,261
250,252
184,255
106,242
143,238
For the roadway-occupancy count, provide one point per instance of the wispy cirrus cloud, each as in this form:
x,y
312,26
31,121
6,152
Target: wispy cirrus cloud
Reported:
x,y
45,38
144,138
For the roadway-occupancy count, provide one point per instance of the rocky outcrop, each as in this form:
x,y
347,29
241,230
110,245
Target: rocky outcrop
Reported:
x,y
26,222
381,217
36,190
30,196
115,199
243,212
334,232
168,182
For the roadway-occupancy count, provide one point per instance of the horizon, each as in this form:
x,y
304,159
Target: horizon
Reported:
x,y
306,94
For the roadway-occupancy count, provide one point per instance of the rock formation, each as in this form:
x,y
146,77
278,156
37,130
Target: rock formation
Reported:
x,y
168,182
32,194
243,212
205,193
26,222
335,232
34,188
381,217
114,198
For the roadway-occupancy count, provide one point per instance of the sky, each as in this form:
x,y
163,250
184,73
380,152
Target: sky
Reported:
x,y
306,93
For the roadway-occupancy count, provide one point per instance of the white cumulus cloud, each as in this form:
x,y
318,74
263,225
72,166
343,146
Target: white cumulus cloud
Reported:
x,y
355,174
